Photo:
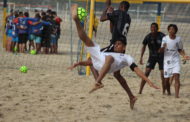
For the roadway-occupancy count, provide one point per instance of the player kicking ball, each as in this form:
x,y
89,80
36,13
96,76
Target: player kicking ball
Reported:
x,y
108,62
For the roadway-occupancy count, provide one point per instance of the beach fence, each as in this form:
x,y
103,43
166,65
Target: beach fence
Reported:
x,y
142,12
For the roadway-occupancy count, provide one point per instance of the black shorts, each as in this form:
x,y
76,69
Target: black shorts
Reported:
x,y
23,38
153,60
45,42
109,48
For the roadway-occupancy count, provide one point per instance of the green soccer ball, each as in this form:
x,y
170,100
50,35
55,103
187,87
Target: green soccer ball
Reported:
x,y
33,52
15,49
23,69
82,14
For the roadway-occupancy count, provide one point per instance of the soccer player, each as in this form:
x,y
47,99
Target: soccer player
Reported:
x,y
22,27
154,41
14,43
172,47
109,62
119,22
9,26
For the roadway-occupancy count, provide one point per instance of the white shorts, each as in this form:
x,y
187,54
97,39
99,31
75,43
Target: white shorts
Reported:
x,y
168,72
98,58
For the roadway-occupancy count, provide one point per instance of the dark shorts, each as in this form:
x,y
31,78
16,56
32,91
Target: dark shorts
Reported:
x,y
152,62
22,38
109,48
46,42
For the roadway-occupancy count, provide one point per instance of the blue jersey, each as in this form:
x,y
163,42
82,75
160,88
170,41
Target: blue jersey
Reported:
x,y
30,20
9,23
37,29
23,25
14,30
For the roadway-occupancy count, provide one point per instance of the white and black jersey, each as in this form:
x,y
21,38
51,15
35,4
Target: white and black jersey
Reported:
x,y
121,22
154,44
171,55
120,60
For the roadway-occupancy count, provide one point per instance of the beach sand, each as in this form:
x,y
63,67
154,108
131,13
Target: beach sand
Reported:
x,y
43,95
48,92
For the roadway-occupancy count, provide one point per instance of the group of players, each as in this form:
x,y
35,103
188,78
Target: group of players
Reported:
x,y
25,33
163,49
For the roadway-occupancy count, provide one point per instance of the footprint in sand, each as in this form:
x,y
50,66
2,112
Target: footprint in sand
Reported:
x,y
106,106
1,115
183,102
82,97
160,111
71,108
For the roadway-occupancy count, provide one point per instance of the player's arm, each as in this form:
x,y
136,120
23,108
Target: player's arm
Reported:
x,y
141,75
104,16
142,54
108,3
145,42
35,23
163,46
182,53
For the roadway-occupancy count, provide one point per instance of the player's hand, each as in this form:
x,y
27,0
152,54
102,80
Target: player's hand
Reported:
x,y
164,45
186,57
36,31
74,11
154,86
110,9
141,61
73,66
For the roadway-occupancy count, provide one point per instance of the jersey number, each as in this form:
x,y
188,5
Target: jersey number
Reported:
x,y
125,29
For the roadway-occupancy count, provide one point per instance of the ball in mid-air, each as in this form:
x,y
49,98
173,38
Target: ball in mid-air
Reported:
x,y
23,69
82,14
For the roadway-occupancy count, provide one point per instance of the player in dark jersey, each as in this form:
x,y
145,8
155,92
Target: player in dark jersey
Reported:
x,y
120,22
154,41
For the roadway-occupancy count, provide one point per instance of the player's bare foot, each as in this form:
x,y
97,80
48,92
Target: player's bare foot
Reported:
x,y
96,87
74,11
132,102
73,66
154,86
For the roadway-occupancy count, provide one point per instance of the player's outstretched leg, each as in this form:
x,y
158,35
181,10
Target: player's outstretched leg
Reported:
x,y
82,35
104,70
81,63
124,84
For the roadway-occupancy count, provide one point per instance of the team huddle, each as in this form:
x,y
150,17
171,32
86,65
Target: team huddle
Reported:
x,y
42,30
163,49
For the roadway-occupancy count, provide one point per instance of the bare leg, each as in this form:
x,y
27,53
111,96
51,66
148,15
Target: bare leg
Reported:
x,y
20,47
167,84
108,61
171,80
94,72
82,63
124,84
83,36
162,78
177,85
147,72
8,44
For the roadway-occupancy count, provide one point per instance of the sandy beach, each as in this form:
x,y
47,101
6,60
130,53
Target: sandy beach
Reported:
x,y
43,95
48,92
